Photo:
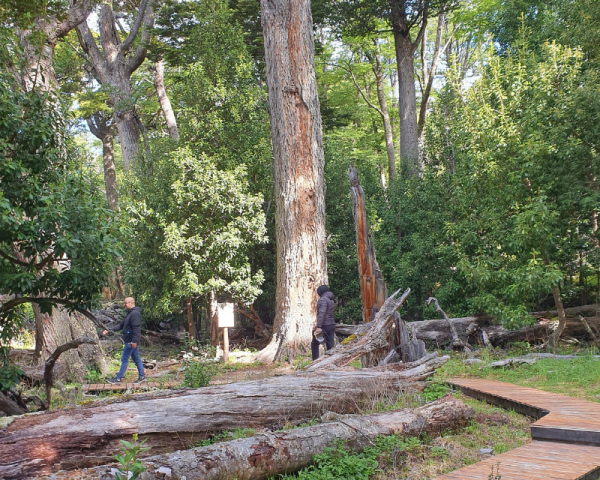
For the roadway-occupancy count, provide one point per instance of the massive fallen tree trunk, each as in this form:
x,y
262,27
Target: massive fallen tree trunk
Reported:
x,y
87,436
269,454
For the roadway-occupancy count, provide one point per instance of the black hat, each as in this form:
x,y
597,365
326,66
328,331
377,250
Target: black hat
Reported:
x,y
322,289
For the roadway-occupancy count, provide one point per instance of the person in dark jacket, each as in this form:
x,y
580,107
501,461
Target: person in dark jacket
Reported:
x,y
325,321
131,328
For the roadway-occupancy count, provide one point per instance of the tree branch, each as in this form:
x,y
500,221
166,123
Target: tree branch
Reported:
x,y
78,13
49,365
140,54
6,306
14,260
349,70
86,39
135,28
415,44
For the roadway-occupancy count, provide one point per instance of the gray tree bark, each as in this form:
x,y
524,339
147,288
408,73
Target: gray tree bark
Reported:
x,y
102,128
113,66
298,174
163,100
39,42
269,454
407,101
86,436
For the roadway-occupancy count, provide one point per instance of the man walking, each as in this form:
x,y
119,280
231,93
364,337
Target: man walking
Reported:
x,y
325,321
131,328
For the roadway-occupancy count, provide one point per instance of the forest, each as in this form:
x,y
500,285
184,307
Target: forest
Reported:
x,y
190,153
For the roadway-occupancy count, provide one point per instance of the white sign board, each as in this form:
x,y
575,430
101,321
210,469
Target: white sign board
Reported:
x,y
225,315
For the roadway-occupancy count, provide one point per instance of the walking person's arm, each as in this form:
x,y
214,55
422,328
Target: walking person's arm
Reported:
x,y
136,328
115,328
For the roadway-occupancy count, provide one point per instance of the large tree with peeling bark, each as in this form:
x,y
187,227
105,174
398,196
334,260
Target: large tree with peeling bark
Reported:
x,y
298,173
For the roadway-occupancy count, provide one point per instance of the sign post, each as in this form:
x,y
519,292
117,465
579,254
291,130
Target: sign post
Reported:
x,y
226,319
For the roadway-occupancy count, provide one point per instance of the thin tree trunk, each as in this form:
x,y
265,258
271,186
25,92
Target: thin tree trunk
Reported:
x,y
385,114
163,99
190,318
298,172
214,321
110,175
562,318
430,76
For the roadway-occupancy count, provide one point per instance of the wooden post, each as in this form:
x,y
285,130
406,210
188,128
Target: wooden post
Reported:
x,y
226,319
225,345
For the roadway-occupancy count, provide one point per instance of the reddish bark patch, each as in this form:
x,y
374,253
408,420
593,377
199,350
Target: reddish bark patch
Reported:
x,y
262,456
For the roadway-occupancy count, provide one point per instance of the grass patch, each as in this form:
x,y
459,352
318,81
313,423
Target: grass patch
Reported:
x,y
578,377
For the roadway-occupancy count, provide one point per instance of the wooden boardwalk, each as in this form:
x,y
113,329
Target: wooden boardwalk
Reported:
x,y
566,437
561,418
106,387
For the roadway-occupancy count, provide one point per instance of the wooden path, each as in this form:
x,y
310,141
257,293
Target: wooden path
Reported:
x,y
106,387
566,437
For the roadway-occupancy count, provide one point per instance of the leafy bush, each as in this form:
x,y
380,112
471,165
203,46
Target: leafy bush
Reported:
x,y
198,374
434,391
10,375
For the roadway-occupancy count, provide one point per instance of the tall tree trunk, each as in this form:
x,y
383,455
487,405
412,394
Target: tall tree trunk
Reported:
x,y
102,128
407,100
385,114
298,173
163,99
190,318
129,136
214,321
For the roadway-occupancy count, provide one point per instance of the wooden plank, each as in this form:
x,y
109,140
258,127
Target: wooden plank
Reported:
x,y
561,418
537,461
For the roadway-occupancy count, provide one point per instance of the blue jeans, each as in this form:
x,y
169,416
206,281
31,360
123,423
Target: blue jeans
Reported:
x,y
134,353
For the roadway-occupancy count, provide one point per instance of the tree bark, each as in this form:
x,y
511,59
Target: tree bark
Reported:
x,y
298,174
163,100
39,42
214,321
190,318
89,435
113,66
270,454
456,341
385,115
407,100
562,318
428,77
8,406
373,290
101,128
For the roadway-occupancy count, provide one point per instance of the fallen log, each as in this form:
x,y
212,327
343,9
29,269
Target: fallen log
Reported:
x,y
531,358
89,435
375,338
269,454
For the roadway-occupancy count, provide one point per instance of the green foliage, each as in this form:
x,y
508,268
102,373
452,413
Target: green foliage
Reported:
x,y
10,375
434,391
52,212
198,374
130,467
340,462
